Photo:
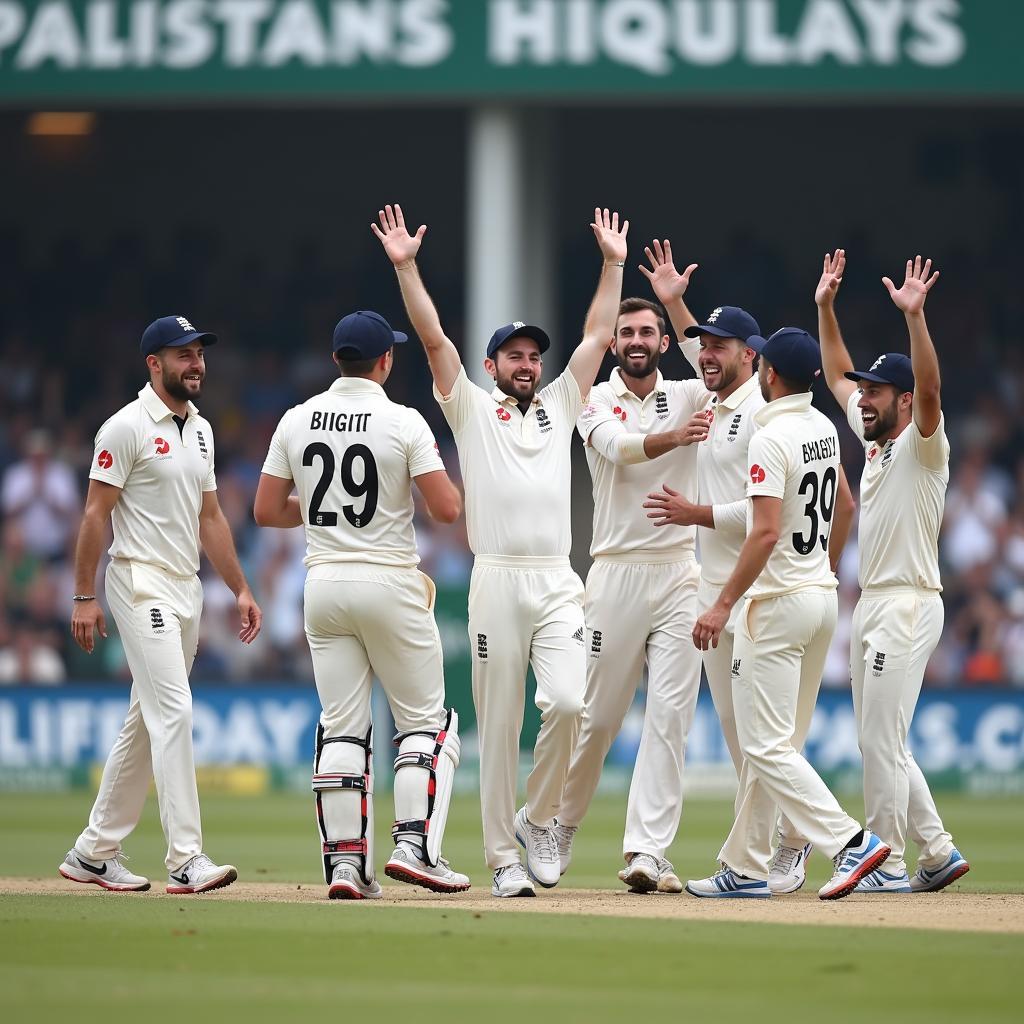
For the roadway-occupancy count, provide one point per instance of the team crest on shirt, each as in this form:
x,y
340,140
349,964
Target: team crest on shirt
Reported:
x,y
161,447
756,474
620,412
503,414
734,427
542,420
887,454
661,406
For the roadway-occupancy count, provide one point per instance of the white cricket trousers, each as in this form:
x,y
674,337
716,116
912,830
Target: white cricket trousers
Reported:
x,y
779,654
894,633
364,620
718,667
157,618
637,613
522,612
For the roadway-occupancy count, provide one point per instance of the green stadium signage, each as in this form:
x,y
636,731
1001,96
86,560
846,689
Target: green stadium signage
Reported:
x,y
470,50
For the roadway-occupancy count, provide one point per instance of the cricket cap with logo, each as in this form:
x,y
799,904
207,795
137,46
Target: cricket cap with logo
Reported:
x,y
172,332
726,322
519,329
365,335
791,352
891,368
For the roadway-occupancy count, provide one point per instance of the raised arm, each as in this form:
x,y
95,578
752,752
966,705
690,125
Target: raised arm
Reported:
x,y
669,285
402,248
835,358
599,328
923,358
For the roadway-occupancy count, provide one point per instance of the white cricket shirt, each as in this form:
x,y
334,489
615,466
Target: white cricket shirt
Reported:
x,y
794,455
352,453
902,496
516,468
162,475
621,526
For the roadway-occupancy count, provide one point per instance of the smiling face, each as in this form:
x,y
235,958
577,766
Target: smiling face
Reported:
x,y
180,369
725,363
516,368
639,343
883,408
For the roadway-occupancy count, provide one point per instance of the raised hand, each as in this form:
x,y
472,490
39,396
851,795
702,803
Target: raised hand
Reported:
x,y
611,240
668,284
916,286
831,278
398,243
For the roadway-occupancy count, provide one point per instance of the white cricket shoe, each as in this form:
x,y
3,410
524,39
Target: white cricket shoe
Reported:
x,y
564,835
107,874
726,884
542,860
881,882
405,865
668,880
200,874
346,884
512,880
788,869
852,863
641,873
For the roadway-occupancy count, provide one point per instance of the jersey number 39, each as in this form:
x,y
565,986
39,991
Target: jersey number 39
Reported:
x,y
821,502
365,488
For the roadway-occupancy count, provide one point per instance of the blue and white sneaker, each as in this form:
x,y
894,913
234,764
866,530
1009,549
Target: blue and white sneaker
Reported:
x,y
879,881
952,868
852,864
726,884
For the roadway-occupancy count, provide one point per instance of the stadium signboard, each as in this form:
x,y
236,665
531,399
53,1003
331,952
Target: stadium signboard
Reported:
x,y
50,738
472,50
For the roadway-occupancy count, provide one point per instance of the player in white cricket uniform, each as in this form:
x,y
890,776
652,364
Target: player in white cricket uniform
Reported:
x,y
525,602
353,454
717,349
153,477
783,632
895,409
641,593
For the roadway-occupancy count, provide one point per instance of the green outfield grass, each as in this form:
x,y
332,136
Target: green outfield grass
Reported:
x,y
116,958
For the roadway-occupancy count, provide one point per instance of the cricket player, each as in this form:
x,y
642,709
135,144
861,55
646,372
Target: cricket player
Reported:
x,y
153,478
783,632
641,593
718,350
353,454
895,409
525,602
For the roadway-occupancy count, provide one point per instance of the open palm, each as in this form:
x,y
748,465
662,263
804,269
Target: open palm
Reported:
x,y
398,243
831,277
610,238
667,283
916,286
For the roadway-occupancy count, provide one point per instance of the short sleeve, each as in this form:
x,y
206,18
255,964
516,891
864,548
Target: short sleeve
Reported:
x,y
458,406
563,394
690,347
931,452
768,467
277,463
114,452
424,455
853,417
210,483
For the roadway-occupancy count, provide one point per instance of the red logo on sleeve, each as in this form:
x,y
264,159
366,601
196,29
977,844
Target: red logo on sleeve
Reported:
x,y
620,412
503,414
756,474
104,460
162,446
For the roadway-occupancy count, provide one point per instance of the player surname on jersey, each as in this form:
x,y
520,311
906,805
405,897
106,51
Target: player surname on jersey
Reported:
x,y
339,421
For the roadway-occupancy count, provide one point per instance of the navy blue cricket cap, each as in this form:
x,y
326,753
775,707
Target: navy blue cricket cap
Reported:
x,y
726,322
892,368
365,335
517,330
793,354
171,332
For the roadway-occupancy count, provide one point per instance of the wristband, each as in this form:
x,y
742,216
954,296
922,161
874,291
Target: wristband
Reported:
x,y
83,597
614,263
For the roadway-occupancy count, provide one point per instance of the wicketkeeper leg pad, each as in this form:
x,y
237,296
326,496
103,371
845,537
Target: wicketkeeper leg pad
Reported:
x,y
424,775
343,784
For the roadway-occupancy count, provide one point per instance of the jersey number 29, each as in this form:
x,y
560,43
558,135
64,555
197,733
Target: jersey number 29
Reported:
x,y
821,502
366,487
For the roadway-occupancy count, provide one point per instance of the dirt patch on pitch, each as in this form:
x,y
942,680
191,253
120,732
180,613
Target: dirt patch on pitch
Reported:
x,y
950,910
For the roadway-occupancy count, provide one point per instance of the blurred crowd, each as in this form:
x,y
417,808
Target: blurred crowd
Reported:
x,y
77,361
